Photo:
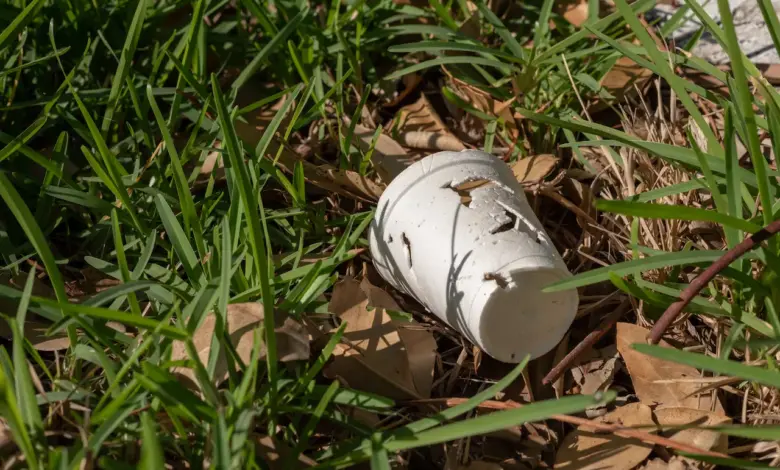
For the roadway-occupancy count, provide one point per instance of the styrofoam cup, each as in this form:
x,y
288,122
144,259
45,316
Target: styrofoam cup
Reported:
x,y
478,259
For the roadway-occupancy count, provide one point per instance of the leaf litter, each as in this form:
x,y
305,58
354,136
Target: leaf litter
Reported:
x,y
380,354
243,321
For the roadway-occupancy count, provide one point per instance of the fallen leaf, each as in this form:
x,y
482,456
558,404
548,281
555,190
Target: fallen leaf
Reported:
x,y
626,76
389,157
646,371
484,102
410,81
533,169
419,126
583,449
386,356
701,438
675,463
574,11
420,116
35,333
431,141
292,340
596,374
277,455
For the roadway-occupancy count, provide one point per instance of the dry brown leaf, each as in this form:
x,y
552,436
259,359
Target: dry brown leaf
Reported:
x,y
596,374
484,102
574,11
389,157
35,332
420,116
646,371
623,76
675,463
533,169
701,438
419,126
292,340
626,76
431,141
583,449
277,455
383,355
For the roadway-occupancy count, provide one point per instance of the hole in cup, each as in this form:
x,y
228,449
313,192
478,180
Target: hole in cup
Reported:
x,y
511,224
499,279
464,189
407,248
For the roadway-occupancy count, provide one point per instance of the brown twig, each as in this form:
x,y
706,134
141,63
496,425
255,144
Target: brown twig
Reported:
x,y
693,289
584,346
616,429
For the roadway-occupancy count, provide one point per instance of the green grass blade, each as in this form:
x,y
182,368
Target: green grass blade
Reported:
x,y
151,450
121,261
9,410
744,100
495,421
34,234
256,239
663,68
19,22
278,38
443,416
639,7
674,212
191,220
125,62
179,240
763,376
448,60
635,267
25,392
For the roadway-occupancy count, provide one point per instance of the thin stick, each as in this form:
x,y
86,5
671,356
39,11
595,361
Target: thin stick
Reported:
x,y
584,346
616,429
693,289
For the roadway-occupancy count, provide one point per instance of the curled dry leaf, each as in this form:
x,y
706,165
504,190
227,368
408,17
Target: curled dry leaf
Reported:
x,y
277,455
431,141
382,355
535,168
597,373
292,340
419,126
654,379
701,438
583,449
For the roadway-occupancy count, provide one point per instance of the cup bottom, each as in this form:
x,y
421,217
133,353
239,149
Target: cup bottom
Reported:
x,y
517,318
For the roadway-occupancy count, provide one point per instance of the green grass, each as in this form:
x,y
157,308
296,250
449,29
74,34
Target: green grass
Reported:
x,y
108,109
